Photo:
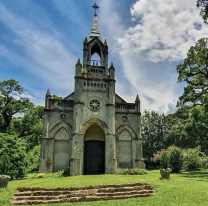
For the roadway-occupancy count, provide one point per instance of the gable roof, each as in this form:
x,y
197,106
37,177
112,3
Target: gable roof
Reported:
x,y
70,96
118,99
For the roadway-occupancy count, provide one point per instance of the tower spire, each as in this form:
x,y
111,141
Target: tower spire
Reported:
x,y
95,29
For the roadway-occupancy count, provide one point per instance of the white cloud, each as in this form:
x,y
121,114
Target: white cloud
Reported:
x,y
163,32
165,29
23,95
34,100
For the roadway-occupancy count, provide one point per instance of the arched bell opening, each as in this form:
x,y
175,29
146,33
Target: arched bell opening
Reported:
x,y
94,150
95,59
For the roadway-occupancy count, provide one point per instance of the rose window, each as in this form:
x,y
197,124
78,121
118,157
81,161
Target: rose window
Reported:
x,y
62,116
94,104
124,118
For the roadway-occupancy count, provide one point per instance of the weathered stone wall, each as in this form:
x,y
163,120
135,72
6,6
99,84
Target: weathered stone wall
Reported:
x,y
132,122
75,115
85,91
52,124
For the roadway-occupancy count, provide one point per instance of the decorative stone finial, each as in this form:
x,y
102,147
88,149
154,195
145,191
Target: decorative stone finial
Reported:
x,y
48,93
111,66
78,62
105,43
85,41
137,98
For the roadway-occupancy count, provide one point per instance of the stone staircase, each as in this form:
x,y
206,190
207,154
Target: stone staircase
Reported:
x,y
29,196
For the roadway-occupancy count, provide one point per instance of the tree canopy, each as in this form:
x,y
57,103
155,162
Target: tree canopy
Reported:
x,y
54,96
194,71
9,105
203,5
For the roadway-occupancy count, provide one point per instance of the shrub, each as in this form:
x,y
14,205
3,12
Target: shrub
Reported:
x,y
156,156
12,147
150,164
193,159
66,172
164,160
5,164
33,159
135,171
176,159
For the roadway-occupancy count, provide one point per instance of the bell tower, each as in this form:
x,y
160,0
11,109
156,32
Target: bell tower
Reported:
x,y
94,100
94,44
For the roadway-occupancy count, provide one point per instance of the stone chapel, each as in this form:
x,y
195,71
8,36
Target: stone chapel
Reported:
x,y
92,130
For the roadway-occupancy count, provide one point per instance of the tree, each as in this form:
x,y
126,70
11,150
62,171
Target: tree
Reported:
x,y
189,131
54,96
29,127
203,5
153,133
10,106
12,149
194,71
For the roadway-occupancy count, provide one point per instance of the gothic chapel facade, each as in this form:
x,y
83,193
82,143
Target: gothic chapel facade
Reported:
x,y
92,130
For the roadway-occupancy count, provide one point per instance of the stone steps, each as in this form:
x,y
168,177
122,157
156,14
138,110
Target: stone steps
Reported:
x,y
28,196
22,189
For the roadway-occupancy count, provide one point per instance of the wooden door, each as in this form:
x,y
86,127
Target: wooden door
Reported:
x,y
94,157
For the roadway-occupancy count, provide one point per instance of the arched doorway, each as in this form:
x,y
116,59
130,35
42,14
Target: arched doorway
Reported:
x,y
62,149
94,150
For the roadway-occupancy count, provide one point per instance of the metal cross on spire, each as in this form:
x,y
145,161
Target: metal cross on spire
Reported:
x,y
95,6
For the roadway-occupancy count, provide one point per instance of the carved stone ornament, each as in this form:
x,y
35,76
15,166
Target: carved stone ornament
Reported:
x,y
63,116
124,118
94,104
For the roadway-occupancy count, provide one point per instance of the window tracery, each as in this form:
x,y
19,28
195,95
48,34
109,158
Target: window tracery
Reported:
x,y
94,104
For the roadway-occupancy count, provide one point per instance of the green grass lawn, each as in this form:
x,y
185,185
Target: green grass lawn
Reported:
x,y
184,189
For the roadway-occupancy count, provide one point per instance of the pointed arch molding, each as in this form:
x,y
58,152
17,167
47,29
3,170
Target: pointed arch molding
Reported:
x,y
90,122
123,127
96,48
95,39
58,126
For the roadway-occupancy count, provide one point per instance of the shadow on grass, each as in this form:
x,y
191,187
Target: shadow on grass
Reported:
x,y
203,175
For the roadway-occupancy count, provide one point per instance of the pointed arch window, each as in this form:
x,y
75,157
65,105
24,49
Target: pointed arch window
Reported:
x,y
95,54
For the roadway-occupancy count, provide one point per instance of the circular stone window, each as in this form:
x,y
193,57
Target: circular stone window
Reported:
x,y
124,118
94,104
63,116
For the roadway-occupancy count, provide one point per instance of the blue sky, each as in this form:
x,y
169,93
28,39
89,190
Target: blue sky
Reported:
x,y
40,42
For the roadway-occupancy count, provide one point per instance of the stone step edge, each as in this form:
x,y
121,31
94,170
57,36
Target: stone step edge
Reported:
x,y
78,188
80,199
81,195
107,190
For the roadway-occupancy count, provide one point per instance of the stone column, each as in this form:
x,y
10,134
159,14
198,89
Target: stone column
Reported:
x,y
76,162
46,156
139,159
110,160
135,153
47,142
110,147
